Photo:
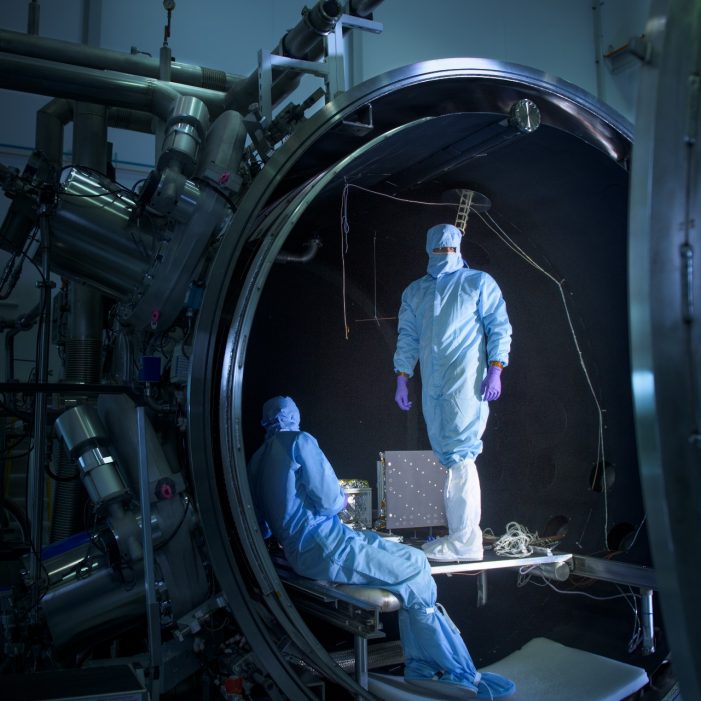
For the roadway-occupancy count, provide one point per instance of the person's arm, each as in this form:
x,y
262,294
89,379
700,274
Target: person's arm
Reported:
x,y
495,320
407,353
253,483
318,477
497,329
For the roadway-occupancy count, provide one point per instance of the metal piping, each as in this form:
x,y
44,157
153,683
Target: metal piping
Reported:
x,y
315,23
56,114
50,121
131,120
106,59
114,89
306,42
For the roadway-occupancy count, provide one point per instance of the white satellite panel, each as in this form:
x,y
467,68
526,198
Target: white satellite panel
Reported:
x,y
413,489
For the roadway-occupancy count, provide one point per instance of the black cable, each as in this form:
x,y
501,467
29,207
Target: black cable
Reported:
x,y
217,191
8,448
165,542
137,183
21,518
60,478
23,455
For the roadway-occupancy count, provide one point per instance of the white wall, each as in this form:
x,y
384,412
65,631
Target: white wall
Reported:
x,y
554,36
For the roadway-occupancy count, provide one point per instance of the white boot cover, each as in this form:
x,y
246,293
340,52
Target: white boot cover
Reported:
x,y
463,509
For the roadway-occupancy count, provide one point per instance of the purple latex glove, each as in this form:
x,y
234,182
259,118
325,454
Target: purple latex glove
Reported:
x,y
401,396
491,385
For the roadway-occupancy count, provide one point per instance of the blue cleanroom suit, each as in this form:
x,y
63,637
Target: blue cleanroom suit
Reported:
x,y
454,322
297,494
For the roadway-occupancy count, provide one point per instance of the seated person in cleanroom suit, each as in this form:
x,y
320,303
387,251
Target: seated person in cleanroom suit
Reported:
x,y
454,322
297,498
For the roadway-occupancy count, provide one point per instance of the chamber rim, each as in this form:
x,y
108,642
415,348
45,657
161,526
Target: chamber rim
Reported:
x,y
214,391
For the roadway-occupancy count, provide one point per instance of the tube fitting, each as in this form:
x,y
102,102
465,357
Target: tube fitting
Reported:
x,y
86,440
319,21
185,130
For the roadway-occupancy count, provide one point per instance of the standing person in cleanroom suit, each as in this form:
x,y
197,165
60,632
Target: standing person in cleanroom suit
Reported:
x,y
297,497
454,322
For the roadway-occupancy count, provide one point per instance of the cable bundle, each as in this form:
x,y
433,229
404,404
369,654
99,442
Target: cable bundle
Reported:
x,y
516,542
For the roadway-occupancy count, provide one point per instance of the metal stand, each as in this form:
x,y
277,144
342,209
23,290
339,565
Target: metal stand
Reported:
x,y
331,68
152,610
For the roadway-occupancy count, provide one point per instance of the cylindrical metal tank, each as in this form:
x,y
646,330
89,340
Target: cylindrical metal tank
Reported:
x,y
368,174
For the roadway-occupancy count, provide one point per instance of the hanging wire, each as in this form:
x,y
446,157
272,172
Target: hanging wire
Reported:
x,y
344,247
490,222
345,229
493,226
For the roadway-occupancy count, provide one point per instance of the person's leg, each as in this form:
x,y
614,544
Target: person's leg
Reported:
x,y
463,508
433,646
459,419
367,558
432,643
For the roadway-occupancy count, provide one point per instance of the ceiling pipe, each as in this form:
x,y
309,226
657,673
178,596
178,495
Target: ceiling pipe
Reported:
x,y
107,59
131,120
86,84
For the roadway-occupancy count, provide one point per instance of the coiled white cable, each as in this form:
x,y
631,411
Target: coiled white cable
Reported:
x,y
516,542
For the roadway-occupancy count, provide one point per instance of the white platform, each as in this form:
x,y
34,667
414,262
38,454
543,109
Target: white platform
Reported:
x,y
543,670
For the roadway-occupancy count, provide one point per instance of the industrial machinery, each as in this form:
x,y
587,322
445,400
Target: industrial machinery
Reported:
x,y
225,277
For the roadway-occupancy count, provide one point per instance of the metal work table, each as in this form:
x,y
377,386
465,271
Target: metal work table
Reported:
x,y
494,562
357,609
642,578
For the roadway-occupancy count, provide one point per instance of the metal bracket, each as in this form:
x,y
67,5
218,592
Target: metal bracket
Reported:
x,y
331,67
635,48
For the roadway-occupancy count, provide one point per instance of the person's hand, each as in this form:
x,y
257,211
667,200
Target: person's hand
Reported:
x,y
491,385
401,396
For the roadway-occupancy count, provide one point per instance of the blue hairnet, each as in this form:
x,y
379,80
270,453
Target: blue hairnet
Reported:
x,y
443,236
280,414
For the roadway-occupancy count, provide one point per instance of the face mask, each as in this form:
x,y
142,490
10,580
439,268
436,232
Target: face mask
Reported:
x,y
443,263
440,237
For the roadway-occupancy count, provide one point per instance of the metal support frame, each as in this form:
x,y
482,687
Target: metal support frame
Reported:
x,y
334,49
266,62
341,609
152,609
35,477
629,575
647,621
593,567
482,589
360,647
331,67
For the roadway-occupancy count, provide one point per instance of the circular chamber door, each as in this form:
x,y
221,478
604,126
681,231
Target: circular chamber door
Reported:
x,y
303,296
664,289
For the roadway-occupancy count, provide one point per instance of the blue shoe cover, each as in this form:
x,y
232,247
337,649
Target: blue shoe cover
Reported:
x,y
445,687
494,686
